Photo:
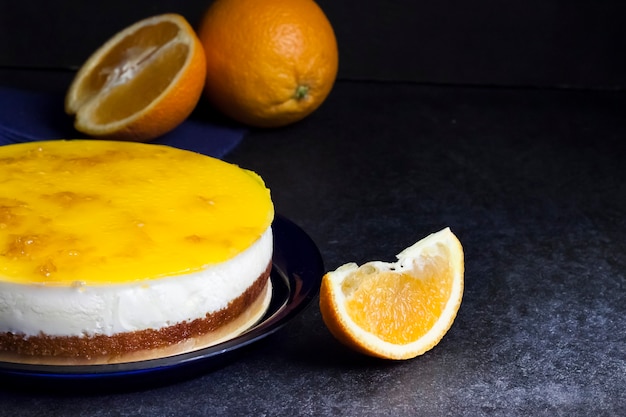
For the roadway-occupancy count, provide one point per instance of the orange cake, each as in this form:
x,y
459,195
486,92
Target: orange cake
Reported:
x,y
117,251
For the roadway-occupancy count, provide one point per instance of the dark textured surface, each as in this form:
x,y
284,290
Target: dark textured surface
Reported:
x,y
532,182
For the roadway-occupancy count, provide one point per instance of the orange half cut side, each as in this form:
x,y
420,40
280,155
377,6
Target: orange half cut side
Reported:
x,y
142,83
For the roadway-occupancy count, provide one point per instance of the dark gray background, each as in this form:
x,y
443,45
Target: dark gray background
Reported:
x,y
577,43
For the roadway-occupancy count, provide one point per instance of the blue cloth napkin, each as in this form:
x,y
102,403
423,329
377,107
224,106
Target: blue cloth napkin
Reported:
x,y
27,116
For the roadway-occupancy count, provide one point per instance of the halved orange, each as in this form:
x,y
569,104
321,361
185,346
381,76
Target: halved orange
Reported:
x,y
397,310
142,83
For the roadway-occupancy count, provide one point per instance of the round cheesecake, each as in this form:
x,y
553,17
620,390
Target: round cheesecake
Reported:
x,y
118,251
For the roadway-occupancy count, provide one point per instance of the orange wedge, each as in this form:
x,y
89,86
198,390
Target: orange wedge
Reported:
x,y
142,83
397,310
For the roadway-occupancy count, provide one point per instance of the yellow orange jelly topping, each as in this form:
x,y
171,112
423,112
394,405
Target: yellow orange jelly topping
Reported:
x,y
101,212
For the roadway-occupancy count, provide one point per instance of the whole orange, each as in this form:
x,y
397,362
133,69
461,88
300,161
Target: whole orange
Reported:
x,y
269,62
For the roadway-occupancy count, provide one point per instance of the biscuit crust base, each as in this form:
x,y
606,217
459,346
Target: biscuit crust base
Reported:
x,y
240,314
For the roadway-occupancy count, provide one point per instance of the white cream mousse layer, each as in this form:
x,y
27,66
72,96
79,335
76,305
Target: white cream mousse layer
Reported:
x,y
88,310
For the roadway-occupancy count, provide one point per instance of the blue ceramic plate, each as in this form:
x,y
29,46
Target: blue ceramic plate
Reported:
x,y
296,275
